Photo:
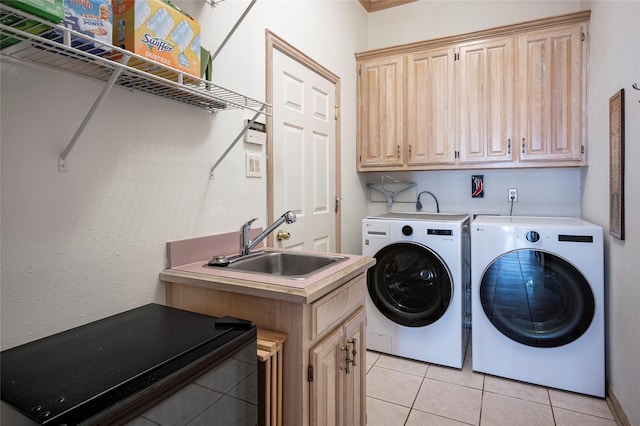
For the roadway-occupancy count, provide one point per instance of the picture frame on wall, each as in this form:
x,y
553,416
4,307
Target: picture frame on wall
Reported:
x,y
616,165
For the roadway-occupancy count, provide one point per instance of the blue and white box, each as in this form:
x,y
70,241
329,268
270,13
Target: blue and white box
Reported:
x,y
92,18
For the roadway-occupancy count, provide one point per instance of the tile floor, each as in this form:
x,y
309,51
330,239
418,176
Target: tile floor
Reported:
x,y
410,393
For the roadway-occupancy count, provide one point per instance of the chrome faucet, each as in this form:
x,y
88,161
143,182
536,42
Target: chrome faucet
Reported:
x,y
246,244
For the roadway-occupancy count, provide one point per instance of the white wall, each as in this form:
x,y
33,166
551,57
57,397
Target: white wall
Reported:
x,y
428,19
82,245
615,65
540,192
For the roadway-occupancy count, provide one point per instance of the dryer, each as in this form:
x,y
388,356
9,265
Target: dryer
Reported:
x,y
418,293
538,301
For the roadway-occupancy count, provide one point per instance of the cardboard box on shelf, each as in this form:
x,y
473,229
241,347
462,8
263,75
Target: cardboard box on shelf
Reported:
x,y
51,10
92,18
160,32
19,23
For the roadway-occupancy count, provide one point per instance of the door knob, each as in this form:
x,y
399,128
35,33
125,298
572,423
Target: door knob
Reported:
x,y
283,235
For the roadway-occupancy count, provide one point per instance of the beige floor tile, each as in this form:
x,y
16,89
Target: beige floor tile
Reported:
x,y
501,410
382,413
450,400
372,357
516,389
404,365
392,386
465,377
572,418
420,418
580,403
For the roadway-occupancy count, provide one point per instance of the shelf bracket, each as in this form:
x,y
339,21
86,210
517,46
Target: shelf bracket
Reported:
x,y
233,30
235,141
62,160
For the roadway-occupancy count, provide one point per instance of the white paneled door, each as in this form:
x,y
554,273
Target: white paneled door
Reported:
x,y
304,153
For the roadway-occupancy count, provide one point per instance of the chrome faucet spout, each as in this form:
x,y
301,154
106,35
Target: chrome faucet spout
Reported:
x,y
246,244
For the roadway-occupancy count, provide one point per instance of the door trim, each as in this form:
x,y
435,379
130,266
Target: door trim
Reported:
x,y
275,42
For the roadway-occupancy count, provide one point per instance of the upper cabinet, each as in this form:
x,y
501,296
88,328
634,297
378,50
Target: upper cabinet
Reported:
x,y
485,102
430,94
381,112
551,94
513,96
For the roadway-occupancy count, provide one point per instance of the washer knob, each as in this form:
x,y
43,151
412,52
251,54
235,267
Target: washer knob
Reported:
x,y
533,237
407,230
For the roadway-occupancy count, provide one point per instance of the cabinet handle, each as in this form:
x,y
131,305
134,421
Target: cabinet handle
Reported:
x,y
409,151
523,145
508,146
354,352
346,359
398,151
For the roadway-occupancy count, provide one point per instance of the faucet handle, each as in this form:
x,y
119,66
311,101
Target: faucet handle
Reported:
x,y
248,223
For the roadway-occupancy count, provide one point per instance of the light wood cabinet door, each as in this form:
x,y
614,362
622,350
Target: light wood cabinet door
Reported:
x,y
326,393
338,388
381,113
485,101
550,80
356,393
430,107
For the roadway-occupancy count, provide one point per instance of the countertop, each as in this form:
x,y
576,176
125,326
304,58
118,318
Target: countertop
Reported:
x,y
272,287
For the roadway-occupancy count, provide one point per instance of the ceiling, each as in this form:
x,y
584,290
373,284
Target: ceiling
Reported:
x,y
375,5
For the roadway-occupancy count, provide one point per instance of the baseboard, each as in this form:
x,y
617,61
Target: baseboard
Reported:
x,y
616,409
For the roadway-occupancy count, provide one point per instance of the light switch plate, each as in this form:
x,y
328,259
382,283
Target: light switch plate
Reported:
x,y
253,165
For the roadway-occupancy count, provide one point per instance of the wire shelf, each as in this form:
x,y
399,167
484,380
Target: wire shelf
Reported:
x,y
28,38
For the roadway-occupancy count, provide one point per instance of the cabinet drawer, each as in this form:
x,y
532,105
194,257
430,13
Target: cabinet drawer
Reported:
x,y
333,308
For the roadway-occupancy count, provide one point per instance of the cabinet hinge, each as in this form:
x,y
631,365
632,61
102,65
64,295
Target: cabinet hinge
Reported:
x,y
582,149
337,111
583,36
310,374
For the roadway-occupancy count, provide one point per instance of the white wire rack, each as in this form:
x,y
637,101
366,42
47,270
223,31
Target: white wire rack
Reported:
x,y
27,38
64,49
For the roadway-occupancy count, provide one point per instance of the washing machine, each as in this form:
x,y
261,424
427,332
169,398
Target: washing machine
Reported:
x,y
538,301
419,291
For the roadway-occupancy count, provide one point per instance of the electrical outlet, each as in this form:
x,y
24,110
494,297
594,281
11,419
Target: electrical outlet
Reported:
x,y
513,195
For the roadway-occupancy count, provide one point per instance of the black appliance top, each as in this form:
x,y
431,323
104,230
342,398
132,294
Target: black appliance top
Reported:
x,y
72,376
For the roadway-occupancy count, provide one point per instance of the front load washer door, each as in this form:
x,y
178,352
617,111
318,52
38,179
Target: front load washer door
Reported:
x,y
410,284
536,298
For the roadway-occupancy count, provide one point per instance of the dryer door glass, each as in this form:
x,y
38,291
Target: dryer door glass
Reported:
x,y
410,284
536,298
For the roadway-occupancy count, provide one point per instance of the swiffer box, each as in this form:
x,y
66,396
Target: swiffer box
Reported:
x,y
159,31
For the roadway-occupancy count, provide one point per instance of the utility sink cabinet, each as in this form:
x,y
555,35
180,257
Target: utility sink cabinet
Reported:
x,y
324,358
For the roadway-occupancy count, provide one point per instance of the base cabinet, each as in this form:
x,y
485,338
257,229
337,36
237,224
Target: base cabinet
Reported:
x,y
337,377
319,334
